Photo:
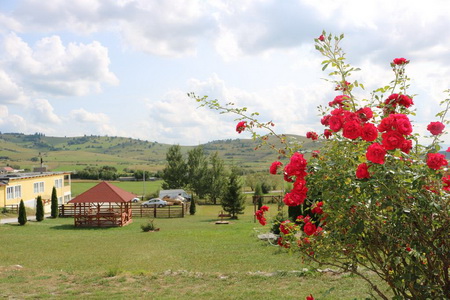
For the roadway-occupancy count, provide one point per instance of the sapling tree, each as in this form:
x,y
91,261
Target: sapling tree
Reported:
x,y
22,219
39,209
54,212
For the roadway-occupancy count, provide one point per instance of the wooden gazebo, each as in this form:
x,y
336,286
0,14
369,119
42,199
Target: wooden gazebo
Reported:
x,y
103,205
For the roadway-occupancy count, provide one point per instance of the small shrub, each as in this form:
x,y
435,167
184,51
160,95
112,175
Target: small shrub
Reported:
x,y
149,226
39,209
265,188
54,212
22,219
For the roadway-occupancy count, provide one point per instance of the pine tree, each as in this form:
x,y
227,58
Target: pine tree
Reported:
x,y
39,209
233,201
54,212
217,178
22,214
192,208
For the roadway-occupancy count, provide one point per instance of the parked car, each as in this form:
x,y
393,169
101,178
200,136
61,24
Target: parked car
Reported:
x,y
135,200
154,202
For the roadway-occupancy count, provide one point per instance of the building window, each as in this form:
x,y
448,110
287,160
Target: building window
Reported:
x,y
13,192
38,187
58,183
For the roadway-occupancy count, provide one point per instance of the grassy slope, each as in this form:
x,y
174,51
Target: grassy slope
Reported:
x,y
190,258
67,154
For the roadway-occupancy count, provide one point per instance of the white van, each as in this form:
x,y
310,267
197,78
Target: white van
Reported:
x,y
174,193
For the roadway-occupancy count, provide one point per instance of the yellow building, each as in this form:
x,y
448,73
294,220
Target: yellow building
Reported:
x,y
27,186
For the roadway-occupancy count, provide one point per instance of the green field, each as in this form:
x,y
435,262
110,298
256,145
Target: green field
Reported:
x,y
190,258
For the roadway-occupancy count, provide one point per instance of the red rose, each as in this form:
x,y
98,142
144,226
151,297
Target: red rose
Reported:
x,y
402,124
435,128
406,146
309,228
264,208
446,181
317,209
376,153
400,61
365,113
312,135
274,167
296,166
352,130
448,149
324,120
321,38
335,123
310,297
405,100
362,171
327,133
392,140
339,100
241,126
297,195
369,132
436,160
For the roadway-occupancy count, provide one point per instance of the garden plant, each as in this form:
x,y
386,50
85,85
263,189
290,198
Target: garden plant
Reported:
x,y
375,198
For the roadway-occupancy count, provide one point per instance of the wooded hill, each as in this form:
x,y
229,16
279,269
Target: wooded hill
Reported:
x,y
75,153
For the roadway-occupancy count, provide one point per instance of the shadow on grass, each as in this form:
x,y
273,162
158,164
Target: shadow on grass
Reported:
x,y
72,227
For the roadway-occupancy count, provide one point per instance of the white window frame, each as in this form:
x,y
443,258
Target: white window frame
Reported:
x,y
13,192
38,187
58,183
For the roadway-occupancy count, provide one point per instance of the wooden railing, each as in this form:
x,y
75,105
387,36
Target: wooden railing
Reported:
x,y
12,208
138,211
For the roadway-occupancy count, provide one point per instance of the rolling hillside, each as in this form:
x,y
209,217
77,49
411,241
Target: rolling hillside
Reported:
x,y
75,153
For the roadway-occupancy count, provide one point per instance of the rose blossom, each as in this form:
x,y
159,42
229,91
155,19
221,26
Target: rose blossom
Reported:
x,y
362,171
406,146
312,135
369,132
317,209
392,140
400,61
352,130
446,181
327,133
296,166
310,297
339,100
321,38
365,113
335,123
309,228
435,128
436,160
264,208
274,167
297,195
376,153
241,126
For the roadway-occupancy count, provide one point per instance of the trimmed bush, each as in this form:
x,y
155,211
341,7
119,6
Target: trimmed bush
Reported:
x,y
22,219
54,212
192,208
39,209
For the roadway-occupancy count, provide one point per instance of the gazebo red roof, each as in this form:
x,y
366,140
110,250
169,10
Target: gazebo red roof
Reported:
x,y
104,192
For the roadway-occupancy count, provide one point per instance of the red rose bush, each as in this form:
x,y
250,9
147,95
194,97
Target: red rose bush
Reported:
x,y
374,200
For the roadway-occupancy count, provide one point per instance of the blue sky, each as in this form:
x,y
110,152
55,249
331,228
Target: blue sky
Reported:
x,y
124,67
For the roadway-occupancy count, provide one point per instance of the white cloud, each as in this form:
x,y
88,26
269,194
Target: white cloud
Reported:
x,y
43,112
54,69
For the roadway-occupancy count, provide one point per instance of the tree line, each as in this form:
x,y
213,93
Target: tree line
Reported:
x,y
206,176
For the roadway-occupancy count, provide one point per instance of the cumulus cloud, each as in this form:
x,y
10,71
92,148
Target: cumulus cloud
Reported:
x,y
51,68
43,112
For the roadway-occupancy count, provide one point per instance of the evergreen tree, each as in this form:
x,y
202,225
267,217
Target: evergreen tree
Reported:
x,y
54,212
233,200
22,214
258,195
217,179
197,169
175,173
192,208
39,209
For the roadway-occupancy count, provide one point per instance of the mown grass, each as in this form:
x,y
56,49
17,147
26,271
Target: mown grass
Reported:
x,y
190,258
136,187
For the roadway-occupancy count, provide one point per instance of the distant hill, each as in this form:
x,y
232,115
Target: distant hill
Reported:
x,y
75,153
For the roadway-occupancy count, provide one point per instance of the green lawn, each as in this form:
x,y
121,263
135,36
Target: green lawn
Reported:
x,y
190,258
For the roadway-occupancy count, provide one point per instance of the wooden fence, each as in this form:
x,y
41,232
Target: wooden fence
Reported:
x,y
138,211
12,208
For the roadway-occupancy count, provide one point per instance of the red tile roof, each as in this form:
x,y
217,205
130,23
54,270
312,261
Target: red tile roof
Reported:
x,y
104,192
